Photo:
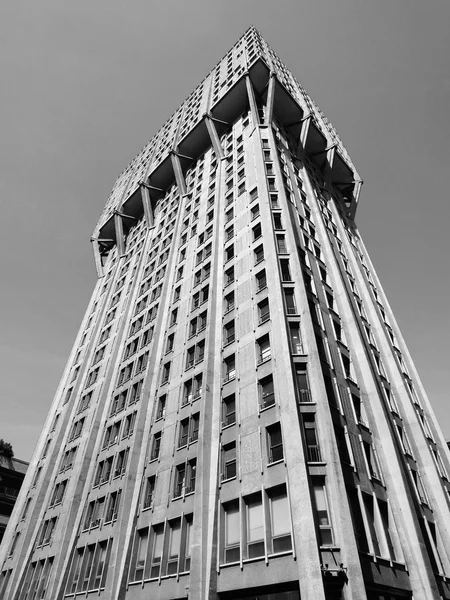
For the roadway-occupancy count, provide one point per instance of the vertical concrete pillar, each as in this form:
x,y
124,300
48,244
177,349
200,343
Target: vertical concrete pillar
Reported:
x,y
251,99
303,135
97,257
178,172
215,140
270,99
120,238
147,206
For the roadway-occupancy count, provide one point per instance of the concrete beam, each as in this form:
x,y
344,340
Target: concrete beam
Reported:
x,y
303,136
251,99
147,205
178,172
97,257
120,238
270,99
215,140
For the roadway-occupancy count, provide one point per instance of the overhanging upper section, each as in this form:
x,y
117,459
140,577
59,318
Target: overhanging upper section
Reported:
x,y
222,97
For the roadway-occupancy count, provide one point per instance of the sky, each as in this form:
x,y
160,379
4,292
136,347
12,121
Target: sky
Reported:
x,y
86,84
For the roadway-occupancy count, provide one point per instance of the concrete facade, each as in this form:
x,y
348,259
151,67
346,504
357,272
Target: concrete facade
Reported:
x,y
239,416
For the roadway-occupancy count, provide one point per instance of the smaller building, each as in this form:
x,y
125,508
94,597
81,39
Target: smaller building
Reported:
x,y
12,473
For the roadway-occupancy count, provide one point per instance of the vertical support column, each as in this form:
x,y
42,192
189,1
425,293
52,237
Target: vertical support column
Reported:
x,y
303,135
215,140
270,99
97,257
120,238
178,171
329,165
147,206
355,200
251,99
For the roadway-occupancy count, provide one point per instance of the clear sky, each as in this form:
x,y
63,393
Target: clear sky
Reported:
x,y
86,84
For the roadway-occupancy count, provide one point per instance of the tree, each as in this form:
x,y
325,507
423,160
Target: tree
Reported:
x,y
6,449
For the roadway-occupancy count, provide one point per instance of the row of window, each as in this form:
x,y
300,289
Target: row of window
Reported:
x,y
89,568
162,550
255,526
105,467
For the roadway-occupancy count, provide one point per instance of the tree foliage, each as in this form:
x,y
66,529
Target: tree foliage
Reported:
x,y
6,449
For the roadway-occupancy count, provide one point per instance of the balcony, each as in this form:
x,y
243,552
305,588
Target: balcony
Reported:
x,y
314,454
305,396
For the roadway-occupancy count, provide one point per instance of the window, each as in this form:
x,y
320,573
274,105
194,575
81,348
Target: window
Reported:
x,y
165,373
229,276
229,215
46,533
125,373
266,392
135,392
173,317
121,462
229,302
263,311
274,201
142,544
232,532
289,298
197,386
180,477
94,513
92,377
68,458
322,513
77,428
113,507
258,254
229,233
277,221
285,270
190,354
263,349
58,493
229,252
141,363
255,526
157,550
275,443
312,443
254,212
118,402
229,461
280,520
199,352
256,231
193,427
174,546
281,244
156,446
191,476
230,368
149,491
229,333
296,342
261,280
161,407
170,342
229,410
184,433
371,460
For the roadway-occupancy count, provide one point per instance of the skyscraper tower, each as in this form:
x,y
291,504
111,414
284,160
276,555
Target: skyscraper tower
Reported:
x,y
239,417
